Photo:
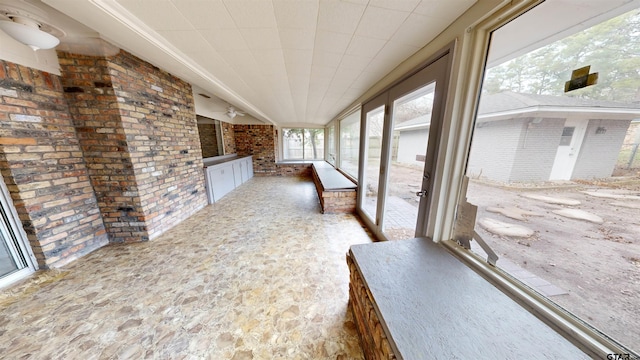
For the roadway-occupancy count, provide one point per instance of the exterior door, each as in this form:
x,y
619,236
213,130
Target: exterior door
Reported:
x,y
568,149
401,128
16,258
373,121
7,258
406,185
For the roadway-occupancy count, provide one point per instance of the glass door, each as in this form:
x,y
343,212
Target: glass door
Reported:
x,y
411,121
16,259
399,152
7,262
373,120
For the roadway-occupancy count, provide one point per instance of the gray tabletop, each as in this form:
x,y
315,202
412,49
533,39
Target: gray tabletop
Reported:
x,y
434,306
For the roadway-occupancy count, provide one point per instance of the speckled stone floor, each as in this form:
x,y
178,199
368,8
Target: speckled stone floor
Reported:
x,y
259,275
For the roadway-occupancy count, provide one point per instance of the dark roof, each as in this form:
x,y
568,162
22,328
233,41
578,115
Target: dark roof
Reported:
x,y
423,121
512,101
509,101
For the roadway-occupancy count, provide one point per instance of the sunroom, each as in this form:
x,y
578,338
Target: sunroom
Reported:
x,y
161,194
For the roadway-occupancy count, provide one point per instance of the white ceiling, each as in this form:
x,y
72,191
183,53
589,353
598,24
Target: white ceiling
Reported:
x,y
282,61
290,62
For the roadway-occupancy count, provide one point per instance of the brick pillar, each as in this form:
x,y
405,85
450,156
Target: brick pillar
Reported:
x,y
143,120
43,167
96,115
228,137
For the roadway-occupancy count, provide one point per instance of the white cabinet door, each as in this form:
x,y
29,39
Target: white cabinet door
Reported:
x,y
249,167
237,173
244,165
223,178
208,183
222,181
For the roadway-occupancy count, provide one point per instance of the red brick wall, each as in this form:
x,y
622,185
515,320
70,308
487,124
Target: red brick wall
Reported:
x,y
300,170
259,141
373,338
95,111
43,166
228,138
142,120
159,119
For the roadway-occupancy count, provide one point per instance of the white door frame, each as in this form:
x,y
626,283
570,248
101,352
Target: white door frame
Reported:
x,y
437,70
373,223
17,240
567,155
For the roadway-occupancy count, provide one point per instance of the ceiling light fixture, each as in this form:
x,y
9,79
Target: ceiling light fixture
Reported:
x,y
27,31
232,112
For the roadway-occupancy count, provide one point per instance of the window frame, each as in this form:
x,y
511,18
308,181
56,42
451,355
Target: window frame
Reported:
x,y
338,164
467,88
303,128
331,140
14,233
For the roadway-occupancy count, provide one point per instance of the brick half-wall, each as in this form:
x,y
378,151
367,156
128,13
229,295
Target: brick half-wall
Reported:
x,y
293,169
334,201
162,181
373,339
43,167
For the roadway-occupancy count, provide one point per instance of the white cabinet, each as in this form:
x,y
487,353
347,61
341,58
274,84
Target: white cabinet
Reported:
x,y
247,170
237,172
224,176
221,181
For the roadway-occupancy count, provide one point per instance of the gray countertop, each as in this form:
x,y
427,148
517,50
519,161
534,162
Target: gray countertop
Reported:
x,y
331,178
221,160
434,306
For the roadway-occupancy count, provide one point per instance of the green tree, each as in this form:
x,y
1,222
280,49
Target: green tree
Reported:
x,y
612,48
306,136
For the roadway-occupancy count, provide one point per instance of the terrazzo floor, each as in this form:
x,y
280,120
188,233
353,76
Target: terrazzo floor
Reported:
x,y
259,275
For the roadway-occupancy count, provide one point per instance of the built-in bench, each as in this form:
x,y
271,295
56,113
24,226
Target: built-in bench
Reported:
x,y
412,299
337,193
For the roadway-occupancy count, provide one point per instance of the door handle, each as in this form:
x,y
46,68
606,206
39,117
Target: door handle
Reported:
x,y
422,193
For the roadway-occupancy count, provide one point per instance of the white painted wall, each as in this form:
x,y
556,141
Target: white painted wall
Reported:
x,y
411,144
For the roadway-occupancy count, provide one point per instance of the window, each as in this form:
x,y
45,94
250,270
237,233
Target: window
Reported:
x,y
567,134
556,193
350,144
302,144
331,144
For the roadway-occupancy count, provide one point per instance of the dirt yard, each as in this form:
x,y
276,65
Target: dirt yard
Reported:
x,y
597,264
